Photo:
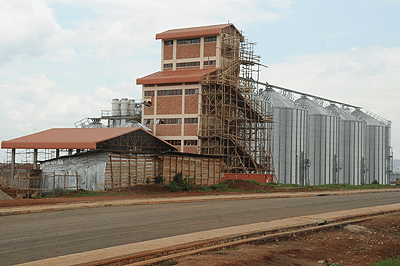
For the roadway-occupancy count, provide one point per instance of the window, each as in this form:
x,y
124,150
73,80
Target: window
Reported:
x,y
188,64
210,39
148,121
188,41
191,120
190,142
191,91
174,142
169,92
148,93
168,43
210,63
169,121
168,65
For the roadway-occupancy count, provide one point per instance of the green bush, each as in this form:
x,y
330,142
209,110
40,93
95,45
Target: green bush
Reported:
x,y
159,179
179,184
185,186
178,178
173,186
375,182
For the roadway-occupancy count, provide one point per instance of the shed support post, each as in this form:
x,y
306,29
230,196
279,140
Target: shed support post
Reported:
x,y
12,182
70,152
57,153
35,157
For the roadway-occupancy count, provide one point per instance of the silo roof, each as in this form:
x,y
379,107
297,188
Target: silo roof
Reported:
x,y
277,99
341,113
70,138
312,107
369,119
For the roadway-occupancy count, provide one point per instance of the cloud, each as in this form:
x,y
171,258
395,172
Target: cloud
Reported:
x,y
366,77
29,29
36,103
123,28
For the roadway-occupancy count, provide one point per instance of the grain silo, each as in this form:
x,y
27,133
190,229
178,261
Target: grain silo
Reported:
x,y
349,164
377,148
288,138
322,141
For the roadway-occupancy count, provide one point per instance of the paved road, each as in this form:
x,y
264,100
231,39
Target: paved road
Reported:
x,y
37,236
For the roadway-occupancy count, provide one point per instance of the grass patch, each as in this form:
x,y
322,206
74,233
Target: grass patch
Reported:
x,y
388,262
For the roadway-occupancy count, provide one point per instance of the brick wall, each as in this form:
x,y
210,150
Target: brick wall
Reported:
x,y
169,130
210,49
168,105
190,149
168,52
188,51
191,104
148,110
190,130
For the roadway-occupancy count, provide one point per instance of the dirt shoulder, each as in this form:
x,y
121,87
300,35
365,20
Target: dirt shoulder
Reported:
x,y
162,191
358,244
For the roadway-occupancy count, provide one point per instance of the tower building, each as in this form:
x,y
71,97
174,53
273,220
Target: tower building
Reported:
x,y
205,98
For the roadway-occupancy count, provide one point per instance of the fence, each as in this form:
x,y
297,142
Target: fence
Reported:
x,y
32,181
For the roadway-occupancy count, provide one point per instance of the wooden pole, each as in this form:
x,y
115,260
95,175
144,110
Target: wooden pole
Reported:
x,y
35,157
54,182
12,167
77,185
65,175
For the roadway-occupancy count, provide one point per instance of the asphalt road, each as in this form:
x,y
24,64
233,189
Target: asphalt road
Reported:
x,y
36,236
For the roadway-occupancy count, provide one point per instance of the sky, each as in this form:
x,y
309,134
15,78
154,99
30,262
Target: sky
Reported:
x,y
62,61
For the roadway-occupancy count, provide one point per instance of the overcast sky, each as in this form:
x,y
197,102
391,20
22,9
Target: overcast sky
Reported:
x,y
61,61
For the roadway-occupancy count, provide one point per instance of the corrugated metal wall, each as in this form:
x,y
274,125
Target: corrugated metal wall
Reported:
x,y
351,151
322,143
289,144
376,154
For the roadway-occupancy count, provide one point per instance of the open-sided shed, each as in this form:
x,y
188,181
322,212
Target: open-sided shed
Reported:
x,y
102,158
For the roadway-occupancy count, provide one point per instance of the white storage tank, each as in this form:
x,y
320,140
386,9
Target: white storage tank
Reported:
x,y
349,165
288,138
377,148
115,107
124,107
131,107
322,138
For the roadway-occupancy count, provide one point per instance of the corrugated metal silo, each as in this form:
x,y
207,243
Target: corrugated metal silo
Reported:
x,y
322,140
377,149
349,165
288,138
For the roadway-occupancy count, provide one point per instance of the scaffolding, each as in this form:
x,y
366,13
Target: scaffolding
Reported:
x,y
234,121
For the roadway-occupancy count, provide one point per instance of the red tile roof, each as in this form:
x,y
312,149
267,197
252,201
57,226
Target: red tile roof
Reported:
x,y
69,138
193,32
178,76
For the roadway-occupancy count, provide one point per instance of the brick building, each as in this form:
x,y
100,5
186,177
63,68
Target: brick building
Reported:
x,y
196,100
